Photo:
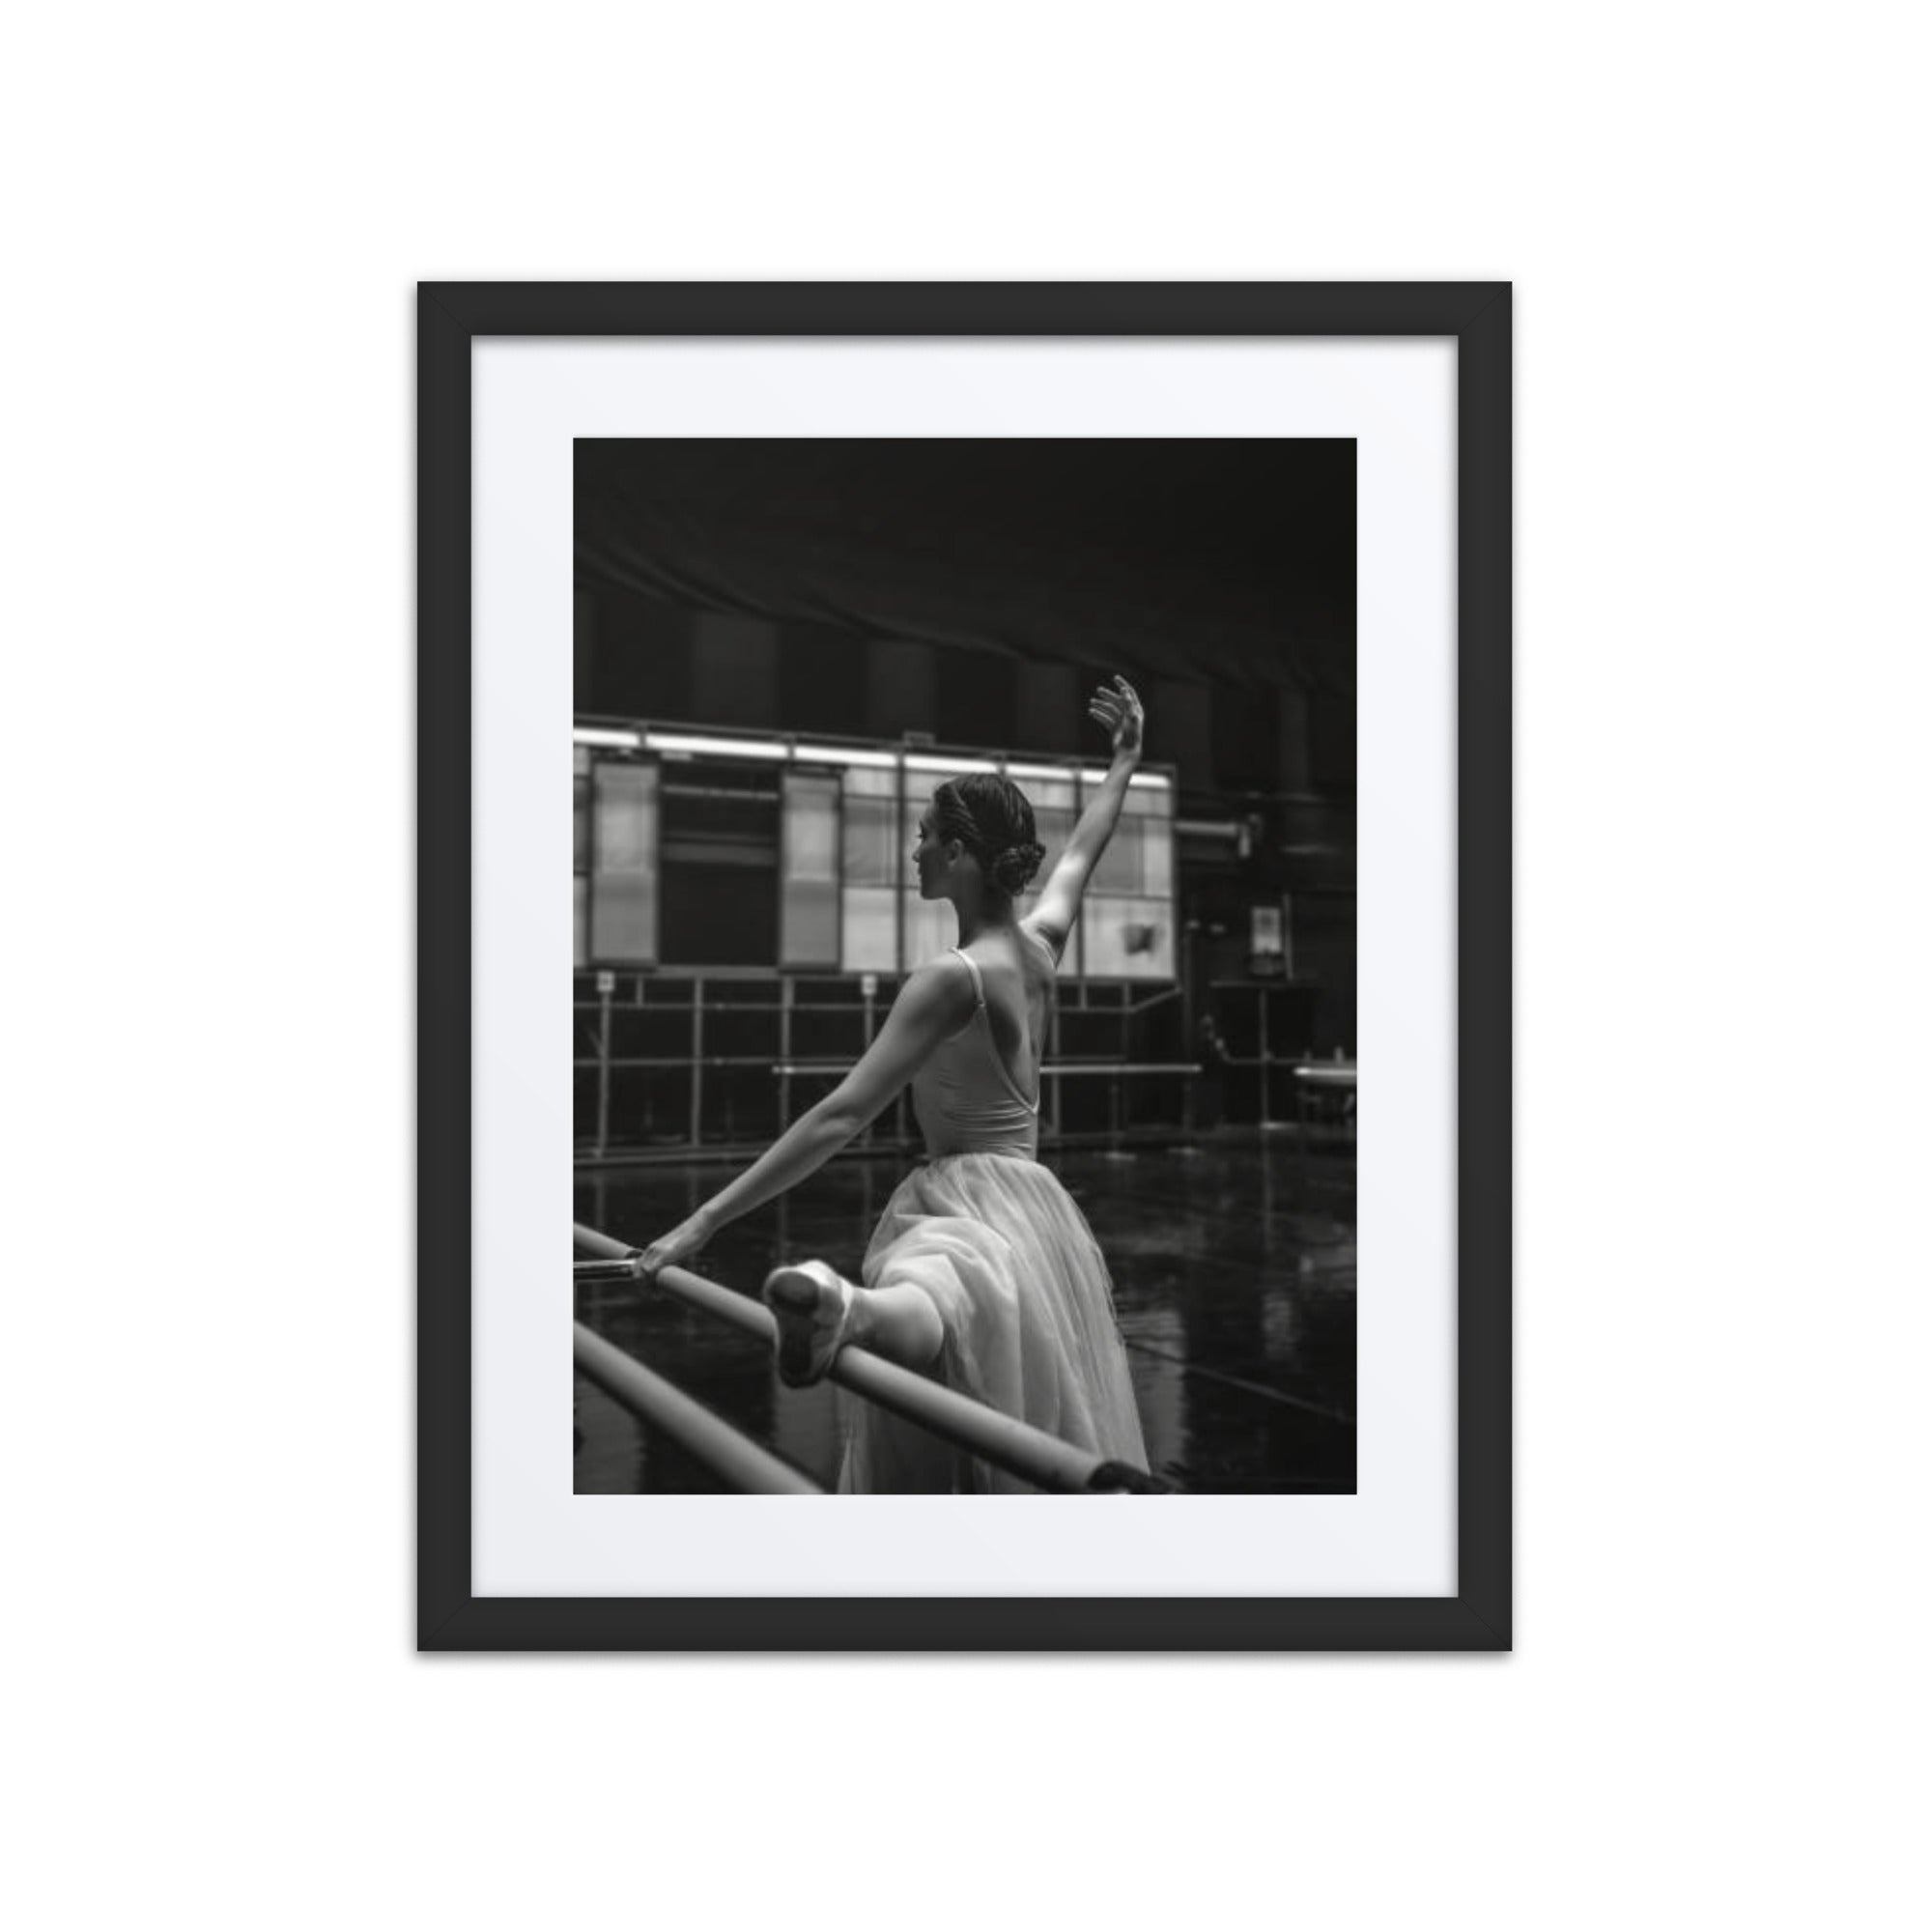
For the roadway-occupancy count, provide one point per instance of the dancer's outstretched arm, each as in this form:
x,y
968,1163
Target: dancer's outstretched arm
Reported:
x,y
1058,906
933,1004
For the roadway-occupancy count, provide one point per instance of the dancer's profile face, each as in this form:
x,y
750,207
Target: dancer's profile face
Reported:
x,y
928,858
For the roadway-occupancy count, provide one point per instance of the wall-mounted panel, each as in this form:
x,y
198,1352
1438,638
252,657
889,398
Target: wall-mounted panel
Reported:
x,y
808,870
624,863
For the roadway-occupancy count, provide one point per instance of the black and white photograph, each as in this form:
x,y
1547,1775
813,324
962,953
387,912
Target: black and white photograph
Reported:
x,y
1243,952
963,980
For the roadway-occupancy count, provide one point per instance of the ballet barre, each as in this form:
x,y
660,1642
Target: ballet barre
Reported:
x,y
734,1458
1016,1447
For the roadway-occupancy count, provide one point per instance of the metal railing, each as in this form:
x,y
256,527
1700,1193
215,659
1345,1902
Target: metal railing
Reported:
x,y
1264,1063
1065,1070
1016,1447
699,1004
1317,1076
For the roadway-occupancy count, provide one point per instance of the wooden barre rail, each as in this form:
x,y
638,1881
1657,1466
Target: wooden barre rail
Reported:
x,y
733,1458
1018,1448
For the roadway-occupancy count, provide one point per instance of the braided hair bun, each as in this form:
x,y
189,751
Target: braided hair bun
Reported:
x,y
990,817
1016,866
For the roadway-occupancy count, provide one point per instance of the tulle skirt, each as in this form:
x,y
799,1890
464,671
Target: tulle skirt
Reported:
x,y
1022,1291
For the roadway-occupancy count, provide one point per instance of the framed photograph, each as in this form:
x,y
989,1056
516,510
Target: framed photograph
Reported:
x,y
1040,752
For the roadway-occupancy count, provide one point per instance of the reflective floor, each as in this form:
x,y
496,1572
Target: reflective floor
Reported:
x,y
1234,1272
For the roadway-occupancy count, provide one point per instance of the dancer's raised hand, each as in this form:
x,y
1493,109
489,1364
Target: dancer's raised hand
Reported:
x,y
1117,707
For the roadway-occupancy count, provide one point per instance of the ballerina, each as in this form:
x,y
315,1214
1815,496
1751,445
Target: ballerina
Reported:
x,y
981,1272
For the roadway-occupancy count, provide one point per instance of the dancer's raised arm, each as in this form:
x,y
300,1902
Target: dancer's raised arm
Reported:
x,y
1119,709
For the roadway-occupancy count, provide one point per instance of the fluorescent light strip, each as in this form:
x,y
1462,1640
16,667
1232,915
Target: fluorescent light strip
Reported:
x,y
1065,772
923,762
845,754
1155,781
622,741
722,747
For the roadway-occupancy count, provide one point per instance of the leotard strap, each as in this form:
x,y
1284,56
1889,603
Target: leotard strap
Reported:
x,y
973,967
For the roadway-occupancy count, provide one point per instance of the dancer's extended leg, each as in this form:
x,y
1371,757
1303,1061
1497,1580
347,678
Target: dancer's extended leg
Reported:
x,y
899,1324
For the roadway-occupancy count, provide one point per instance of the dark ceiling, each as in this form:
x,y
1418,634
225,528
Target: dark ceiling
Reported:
x,y
1227,560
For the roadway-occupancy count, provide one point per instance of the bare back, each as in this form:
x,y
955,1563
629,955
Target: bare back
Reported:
x,y
1017,969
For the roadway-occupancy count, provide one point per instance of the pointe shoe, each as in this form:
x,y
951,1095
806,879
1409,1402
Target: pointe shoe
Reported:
x,y
813,1307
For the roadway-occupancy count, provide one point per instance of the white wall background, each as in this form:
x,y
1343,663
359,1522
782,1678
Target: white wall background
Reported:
x,y
1716,1712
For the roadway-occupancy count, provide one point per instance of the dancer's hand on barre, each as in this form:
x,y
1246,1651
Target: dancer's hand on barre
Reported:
x,y
676,1248
1118,709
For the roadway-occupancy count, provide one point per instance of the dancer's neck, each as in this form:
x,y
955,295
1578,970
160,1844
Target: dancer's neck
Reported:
x,y
974,921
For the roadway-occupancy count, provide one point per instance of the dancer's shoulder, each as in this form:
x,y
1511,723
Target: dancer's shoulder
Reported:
x,y
950,980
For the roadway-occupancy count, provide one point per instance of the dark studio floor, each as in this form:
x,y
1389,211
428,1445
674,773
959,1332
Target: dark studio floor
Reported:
x,y
1233,1268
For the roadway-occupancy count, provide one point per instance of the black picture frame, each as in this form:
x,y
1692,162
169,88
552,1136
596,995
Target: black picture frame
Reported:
x,y
1477,315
